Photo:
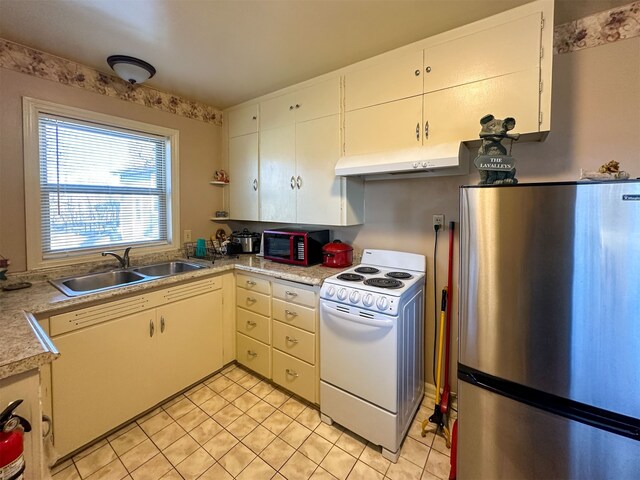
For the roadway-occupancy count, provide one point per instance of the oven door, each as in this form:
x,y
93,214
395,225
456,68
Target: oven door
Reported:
x,y
359,354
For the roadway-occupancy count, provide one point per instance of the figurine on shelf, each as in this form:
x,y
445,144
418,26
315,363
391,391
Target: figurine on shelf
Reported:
x,y
607,171
221,176
493,163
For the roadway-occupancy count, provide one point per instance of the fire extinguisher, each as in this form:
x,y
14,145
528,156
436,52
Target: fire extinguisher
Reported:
x,y
12,429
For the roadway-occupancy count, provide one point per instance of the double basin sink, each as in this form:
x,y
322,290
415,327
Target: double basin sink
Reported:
x,y
98,282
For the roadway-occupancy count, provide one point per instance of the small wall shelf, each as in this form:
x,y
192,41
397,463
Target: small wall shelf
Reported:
x,y
214,182
219,219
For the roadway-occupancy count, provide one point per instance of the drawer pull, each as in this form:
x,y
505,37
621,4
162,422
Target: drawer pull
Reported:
x,y
290,313
251,282
252,354
251,323
291,294
251,300
291,339
292,373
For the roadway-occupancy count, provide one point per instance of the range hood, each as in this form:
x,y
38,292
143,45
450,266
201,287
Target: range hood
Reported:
x,y
436,160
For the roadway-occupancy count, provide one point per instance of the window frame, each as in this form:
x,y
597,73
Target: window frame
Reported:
x,y
32,108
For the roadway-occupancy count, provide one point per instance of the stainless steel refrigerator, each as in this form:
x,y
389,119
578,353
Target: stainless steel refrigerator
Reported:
x,y
549,333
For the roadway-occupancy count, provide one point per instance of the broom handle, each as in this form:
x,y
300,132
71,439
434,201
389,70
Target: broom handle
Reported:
x,y
448,328
443,309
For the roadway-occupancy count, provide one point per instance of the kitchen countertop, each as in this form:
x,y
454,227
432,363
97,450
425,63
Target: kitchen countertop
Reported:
x,y
24,346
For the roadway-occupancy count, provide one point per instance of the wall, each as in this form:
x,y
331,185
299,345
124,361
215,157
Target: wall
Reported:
x,y
199,155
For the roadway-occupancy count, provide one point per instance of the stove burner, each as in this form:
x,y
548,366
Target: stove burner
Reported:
x,y
399,275
350,277
368,270
384,282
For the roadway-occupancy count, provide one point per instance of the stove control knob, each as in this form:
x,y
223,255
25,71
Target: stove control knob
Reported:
x,y
354,297
368,300
382,303
331,291
342,293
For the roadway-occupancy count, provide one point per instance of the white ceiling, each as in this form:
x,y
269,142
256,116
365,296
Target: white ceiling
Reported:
x,y
223,52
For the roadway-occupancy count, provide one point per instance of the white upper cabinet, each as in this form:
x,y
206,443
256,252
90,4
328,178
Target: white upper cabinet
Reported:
x,y
395,77
278,174
243,177
243,121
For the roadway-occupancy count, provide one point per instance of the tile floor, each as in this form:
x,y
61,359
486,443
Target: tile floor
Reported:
x,y
236,425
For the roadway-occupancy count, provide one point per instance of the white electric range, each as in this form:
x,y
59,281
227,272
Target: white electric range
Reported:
x,y
372,347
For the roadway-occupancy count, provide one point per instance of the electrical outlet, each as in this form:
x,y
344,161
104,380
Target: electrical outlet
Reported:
x,y
439,220
187,235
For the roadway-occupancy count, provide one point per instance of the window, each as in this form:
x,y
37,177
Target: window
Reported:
x,y
96,182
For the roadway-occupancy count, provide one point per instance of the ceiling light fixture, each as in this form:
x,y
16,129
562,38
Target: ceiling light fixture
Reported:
x,y
130,69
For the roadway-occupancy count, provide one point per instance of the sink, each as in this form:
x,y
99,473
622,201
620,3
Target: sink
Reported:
x,y
168,268
98,282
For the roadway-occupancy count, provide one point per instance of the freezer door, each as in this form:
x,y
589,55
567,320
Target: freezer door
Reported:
x,y
549,289
499,438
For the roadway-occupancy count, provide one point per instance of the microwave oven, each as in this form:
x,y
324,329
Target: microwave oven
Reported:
x,y
294,246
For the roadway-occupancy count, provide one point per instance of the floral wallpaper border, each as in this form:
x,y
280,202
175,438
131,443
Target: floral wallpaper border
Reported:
x,y
597,29
27,60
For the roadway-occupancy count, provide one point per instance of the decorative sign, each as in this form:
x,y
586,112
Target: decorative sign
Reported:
x,y
497,163
494,164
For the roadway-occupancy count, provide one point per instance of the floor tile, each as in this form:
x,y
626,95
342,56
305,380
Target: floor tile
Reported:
x,y
415,432
122,431
362,471
338,463
277,453
292,407
242,426
438,464
219,445
58,467
236,459
227,415
68,473
206,431
260,411
258,439
329,432
277,422
172,475
276,398
248,381
201,395
139,454
153,469
258,469
236,374
315,447
195,464
97,459
426,475
192,419
321,474
128,440
298,467
415,452
262,389
180,408
309,417
404,470
220,384
245,401
112,471
149,415
295,434
440,444
232,392
214,405
155,423
180,449
372,456
351,443
168,435
216,473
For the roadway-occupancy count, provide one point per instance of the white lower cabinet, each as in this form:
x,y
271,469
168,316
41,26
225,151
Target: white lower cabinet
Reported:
x,y
116,368
280,342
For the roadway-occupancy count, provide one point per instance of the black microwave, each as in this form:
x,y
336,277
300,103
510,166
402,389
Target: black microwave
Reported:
x,y
294,245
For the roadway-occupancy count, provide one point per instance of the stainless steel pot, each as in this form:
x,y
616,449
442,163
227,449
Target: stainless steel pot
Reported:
x,y
249,241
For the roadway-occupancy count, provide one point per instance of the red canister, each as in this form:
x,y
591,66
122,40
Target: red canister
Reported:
x,y
337,254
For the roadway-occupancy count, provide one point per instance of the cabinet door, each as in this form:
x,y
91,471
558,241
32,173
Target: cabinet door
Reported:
x,y
474,57
243,177
318,100
317,151
398,76
104,377
390,126
243,121
277,112
512,95
277,174
189,341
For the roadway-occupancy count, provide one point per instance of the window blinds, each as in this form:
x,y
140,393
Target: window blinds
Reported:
x,y
100,186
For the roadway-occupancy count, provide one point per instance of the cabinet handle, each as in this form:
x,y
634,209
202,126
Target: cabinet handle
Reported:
x,y
251,299
293,182
250,323
292,373
417,72
291,339
152,328
290,313
297,105
161,324
252,354
428,69
299,182
287,292
255,184
290,107
426,130
254,118
251,282
418,131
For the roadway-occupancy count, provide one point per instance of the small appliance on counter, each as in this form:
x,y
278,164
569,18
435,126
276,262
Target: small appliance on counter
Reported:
x,y
337,255
295,246
249,241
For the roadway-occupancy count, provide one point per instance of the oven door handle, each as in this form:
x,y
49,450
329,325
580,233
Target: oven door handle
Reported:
x,y
350,317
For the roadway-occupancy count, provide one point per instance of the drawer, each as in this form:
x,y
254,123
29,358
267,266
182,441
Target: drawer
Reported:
x,y
295,342
294,375
253,325
256,302
253,284
291,314
253,354
295,294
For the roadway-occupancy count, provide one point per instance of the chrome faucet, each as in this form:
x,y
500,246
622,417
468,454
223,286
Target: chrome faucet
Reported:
x,y
124,259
